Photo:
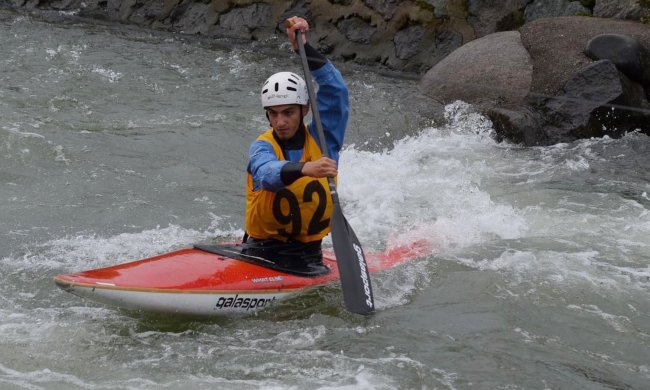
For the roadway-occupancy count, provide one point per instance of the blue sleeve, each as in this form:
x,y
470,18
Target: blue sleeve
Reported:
x,y
265,167
333,106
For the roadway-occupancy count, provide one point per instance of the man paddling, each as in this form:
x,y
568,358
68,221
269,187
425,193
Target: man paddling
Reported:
x,y
288,200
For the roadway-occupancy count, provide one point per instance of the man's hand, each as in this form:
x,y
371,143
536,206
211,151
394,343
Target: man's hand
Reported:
x,y
293,24
323,167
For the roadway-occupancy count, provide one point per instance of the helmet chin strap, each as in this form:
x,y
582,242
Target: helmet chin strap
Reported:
x,y
303,113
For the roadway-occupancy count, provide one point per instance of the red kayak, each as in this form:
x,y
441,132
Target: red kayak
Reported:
x,y
198,282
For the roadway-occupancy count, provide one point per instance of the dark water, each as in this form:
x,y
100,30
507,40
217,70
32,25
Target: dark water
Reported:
x,y
116,145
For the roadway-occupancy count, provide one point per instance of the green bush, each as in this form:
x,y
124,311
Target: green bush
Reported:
x,y
645,3
591,3
424,5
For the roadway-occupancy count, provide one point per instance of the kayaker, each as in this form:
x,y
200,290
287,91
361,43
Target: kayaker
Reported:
x,y
288,201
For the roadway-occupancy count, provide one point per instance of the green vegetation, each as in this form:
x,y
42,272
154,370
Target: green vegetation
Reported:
x,y
511,22
424,5
645,3
589,3
518,18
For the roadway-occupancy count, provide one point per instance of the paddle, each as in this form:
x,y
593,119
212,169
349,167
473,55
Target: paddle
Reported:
x,y
355,279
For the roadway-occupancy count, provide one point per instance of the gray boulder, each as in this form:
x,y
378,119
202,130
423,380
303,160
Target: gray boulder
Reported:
x,y
620,9
105,10
408,41
299,8
596,101
64,4
522,125
552,8
198,18
356,30
29,4
385,8
626,52
487,16
557,49
149,13
446,41
495,68
242,22
556,46
540,88
439,7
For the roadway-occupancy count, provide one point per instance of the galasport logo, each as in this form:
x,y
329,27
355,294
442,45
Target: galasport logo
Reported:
x,y
243,303
364,274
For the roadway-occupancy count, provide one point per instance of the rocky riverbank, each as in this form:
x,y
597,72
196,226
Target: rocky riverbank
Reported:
x,y
553,80
524,63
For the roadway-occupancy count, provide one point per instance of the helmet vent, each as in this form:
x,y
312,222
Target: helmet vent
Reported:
x,y
277,87
291,89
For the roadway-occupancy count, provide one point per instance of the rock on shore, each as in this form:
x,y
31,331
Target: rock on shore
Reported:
x,y
570,95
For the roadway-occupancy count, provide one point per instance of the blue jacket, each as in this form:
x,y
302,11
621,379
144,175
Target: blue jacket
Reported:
x,y
333,105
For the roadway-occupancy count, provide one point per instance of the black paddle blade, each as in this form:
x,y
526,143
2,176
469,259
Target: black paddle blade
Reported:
x,y
355,279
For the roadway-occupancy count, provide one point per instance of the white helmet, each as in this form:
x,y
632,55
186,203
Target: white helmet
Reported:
x,y
284,88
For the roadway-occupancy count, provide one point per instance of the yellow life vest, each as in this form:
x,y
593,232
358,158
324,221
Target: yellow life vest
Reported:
x,y
301,211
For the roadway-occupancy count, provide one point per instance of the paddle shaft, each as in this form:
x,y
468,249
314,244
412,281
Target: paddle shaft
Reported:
x,y
353,269
316,114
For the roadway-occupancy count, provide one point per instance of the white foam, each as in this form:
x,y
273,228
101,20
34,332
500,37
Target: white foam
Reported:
x,y
428,186
563,270
14,129
177,68
25,379
579,164
236,66
111,75
394,287
451,185
300,338
619,323
85,251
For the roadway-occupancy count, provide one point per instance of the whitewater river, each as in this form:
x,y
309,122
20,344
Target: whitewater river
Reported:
x,y
121,144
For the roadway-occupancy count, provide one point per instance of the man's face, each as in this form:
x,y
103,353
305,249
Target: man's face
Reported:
x,y
286,119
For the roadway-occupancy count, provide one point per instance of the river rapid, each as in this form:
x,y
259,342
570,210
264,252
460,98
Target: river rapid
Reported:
x,y
119,143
